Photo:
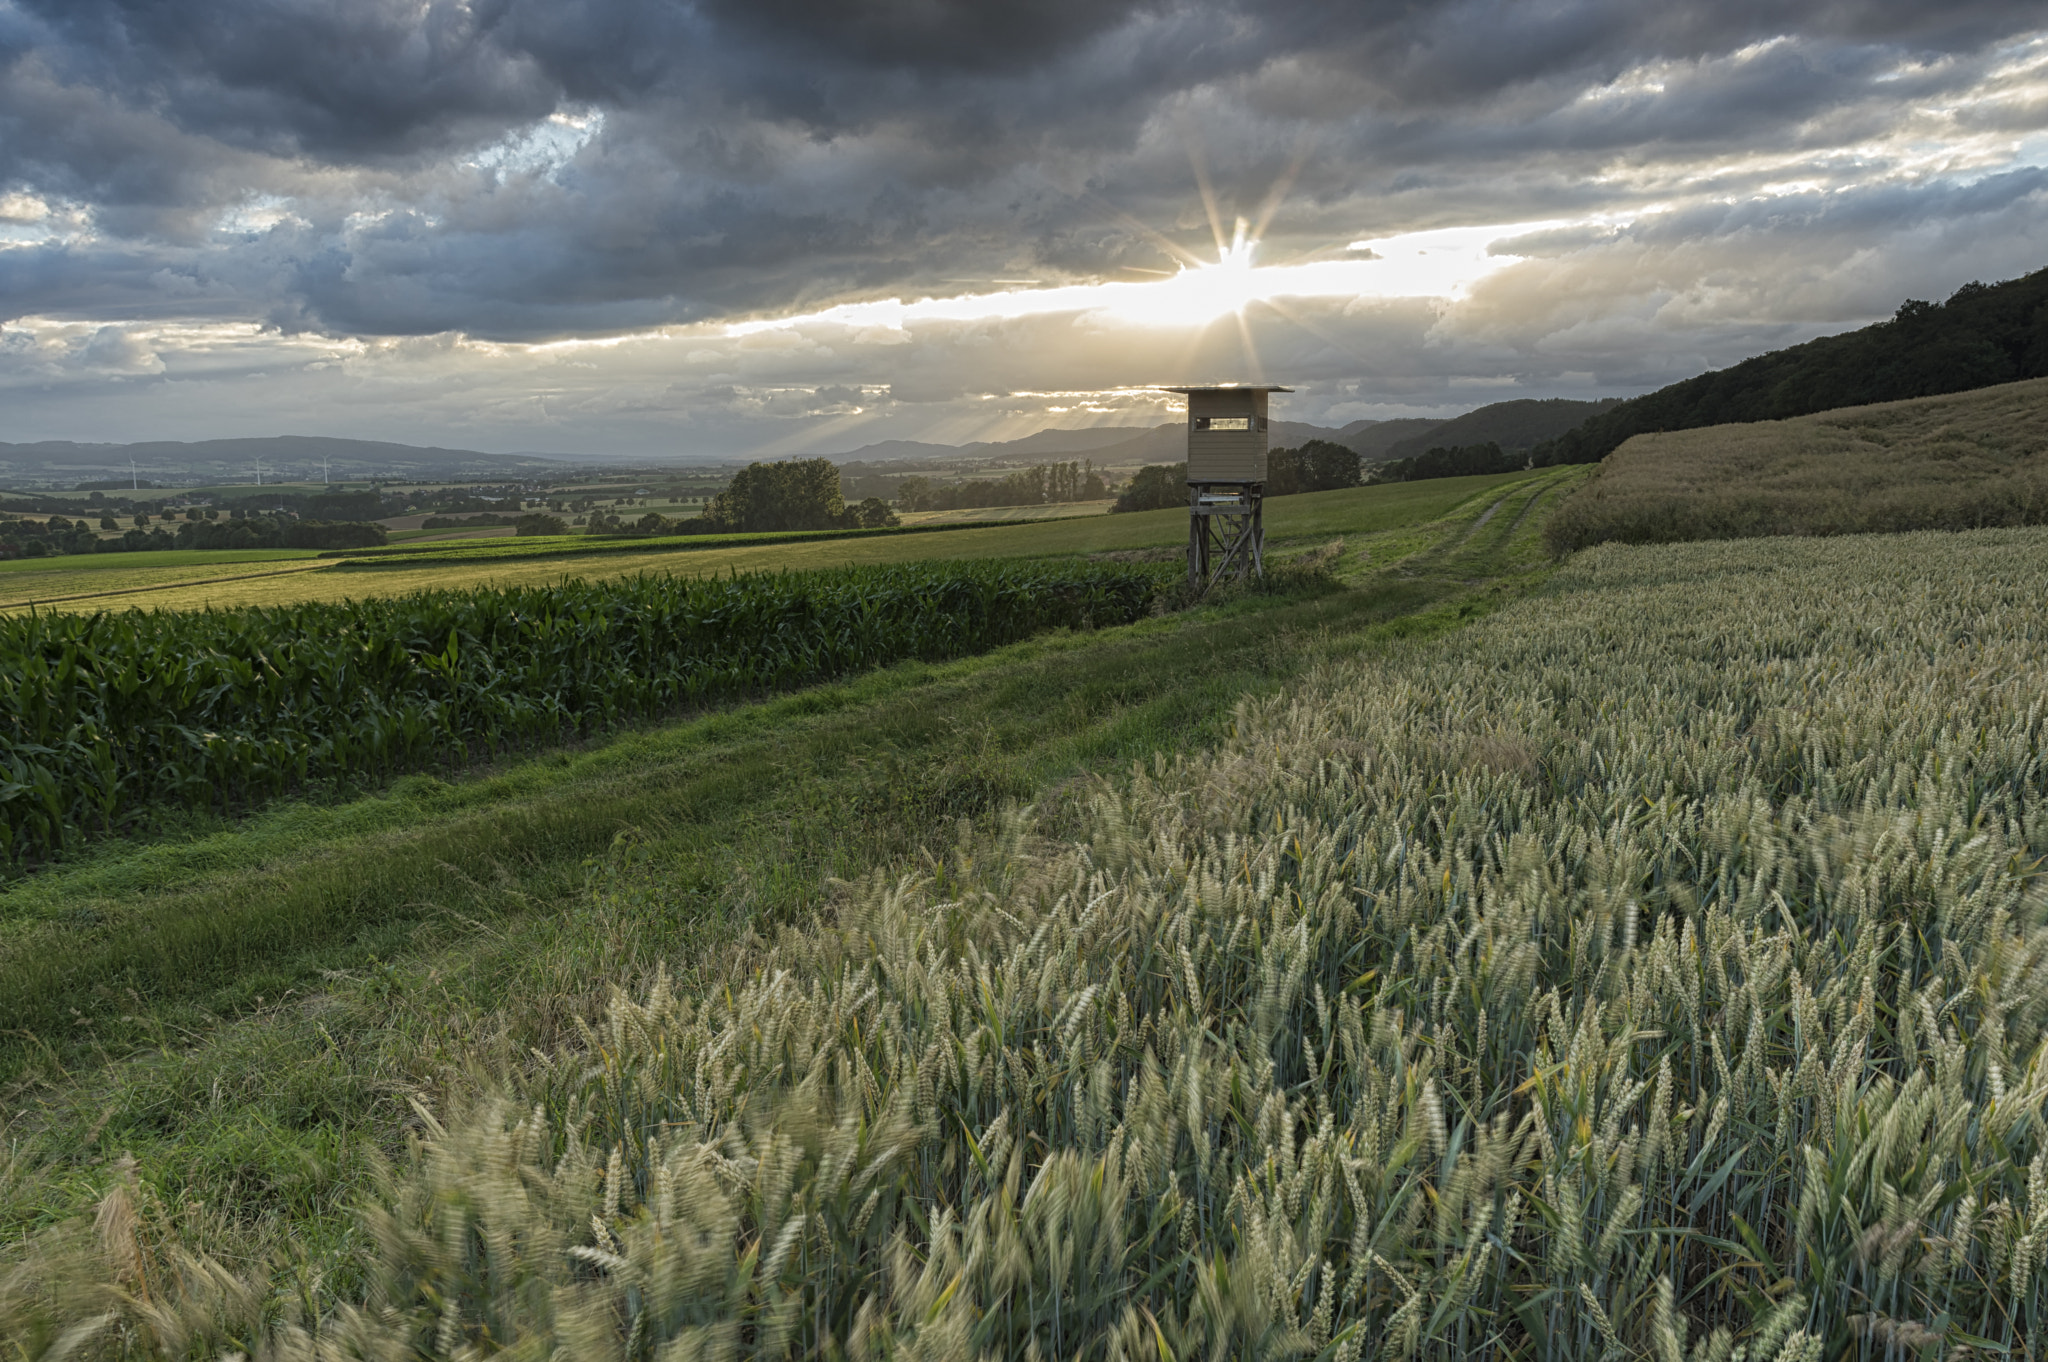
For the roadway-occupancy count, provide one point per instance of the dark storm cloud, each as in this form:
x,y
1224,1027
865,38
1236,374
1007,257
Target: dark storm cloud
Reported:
x,y
744,156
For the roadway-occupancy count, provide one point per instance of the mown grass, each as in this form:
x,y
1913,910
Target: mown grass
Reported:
x,y
248,1007
1964,461
1291,521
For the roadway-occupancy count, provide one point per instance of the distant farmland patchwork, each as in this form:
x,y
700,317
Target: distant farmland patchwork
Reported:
x,y
505,563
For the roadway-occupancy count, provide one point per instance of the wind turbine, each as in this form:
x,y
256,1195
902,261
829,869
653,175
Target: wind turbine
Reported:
x,y
133,484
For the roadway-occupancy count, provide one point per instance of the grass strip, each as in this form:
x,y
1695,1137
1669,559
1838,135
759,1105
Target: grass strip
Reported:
x,y
583,546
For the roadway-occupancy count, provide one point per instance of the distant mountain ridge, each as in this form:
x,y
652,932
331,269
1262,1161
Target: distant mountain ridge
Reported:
x,y
1522,423
1121,446
285,457
1054,442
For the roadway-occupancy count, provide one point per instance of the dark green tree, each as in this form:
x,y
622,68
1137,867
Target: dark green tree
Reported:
x,y
802,494
1451,462
1156,487
872,513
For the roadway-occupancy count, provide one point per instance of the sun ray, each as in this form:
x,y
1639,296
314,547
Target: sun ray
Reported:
x,y
1202,184
1320,332
1255,369
1277,195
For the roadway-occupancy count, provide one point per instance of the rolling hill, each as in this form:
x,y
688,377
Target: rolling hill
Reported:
x,y
1961,461
1520,424
1984,334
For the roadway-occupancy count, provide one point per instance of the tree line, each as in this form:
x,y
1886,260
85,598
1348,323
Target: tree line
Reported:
x,y
61,535
1452,461
1040,485
1317,466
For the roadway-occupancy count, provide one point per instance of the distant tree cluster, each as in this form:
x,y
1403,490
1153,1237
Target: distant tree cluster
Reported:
x,y
539,522
1156,487
1318,466
42,538
354,505
63,535
1451,461
1041,485
262,532
801,494
1984,334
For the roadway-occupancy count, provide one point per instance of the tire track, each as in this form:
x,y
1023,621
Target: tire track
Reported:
x,y
1528,510
1480,523
157,586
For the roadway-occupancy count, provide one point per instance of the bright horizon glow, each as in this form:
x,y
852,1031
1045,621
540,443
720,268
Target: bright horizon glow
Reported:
x,y
1441,263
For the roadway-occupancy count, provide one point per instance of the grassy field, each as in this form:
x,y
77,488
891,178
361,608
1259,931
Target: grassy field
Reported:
x,y
1365,516
111,585
1654,960
1058,511
1965,461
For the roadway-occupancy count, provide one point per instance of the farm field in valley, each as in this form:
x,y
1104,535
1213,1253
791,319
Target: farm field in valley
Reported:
x,y
108,581
1297,521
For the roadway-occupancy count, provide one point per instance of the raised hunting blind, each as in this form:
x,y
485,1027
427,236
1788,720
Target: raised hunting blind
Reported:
x,y
1228,433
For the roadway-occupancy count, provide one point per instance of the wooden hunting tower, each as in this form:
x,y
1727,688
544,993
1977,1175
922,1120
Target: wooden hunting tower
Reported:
x,y
1227,441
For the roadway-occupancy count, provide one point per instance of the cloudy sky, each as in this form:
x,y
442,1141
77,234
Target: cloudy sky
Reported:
x,y
713,228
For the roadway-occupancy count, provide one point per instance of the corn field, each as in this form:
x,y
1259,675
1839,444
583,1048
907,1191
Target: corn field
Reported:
x,y
101,715
1655,969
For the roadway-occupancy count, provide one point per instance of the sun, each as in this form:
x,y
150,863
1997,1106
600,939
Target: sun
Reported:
x,y
1198,294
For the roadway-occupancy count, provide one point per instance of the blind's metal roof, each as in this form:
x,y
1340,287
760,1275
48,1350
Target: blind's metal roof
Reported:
x,y
1232,388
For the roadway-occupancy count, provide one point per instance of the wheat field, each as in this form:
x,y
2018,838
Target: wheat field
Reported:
x,y
1969,460
1656,968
